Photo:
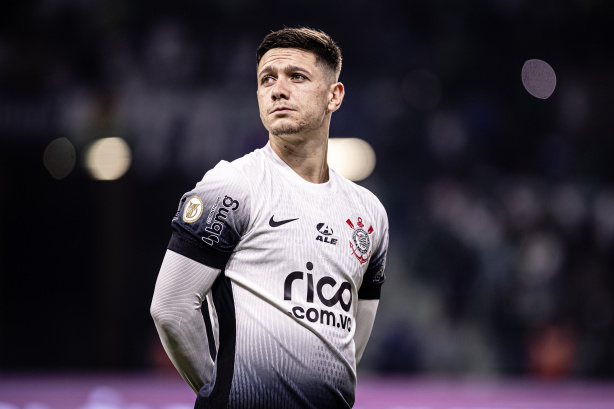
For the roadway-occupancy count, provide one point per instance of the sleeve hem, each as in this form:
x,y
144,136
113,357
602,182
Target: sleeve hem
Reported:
x,y
370,291
196,252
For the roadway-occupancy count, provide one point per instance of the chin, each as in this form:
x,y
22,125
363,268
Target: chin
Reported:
x,y
286,130
281,132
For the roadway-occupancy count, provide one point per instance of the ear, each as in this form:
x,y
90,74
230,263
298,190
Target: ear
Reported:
x,y
335,97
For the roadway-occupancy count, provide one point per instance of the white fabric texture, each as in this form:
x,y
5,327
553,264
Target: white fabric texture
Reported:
x,y
365,317
181,288
302,267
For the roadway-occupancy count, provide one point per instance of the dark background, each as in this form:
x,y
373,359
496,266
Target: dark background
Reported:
x,y
501,204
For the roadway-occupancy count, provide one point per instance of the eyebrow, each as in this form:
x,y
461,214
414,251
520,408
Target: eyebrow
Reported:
x,y
288,68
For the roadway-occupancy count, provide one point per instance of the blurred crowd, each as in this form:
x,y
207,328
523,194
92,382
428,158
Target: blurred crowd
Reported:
x,y
501,205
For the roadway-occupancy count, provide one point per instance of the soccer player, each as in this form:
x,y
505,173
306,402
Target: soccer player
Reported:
x,y
288,255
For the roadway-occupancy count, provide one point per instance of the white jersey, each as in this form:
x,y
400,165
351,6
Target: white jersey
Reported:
x,y
295,257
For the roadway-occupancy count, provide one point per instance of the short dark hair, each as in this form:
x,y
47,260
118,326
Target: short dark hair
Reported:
x,y
307,39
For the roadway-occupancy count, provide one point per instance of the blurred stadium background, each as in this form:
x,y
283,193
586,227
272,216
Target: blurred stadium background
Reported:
x,y
492,124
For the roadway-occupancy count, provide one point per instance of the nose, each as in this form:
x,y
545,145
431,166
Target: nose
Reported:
x,y
280,90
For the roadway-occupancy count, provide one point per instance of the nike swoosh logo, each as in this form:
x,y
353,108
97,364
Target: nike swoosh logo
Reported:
x,y
273,223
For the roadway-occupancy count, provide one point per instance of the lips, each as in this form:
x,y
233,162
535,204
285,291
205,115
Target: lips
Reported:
x,y
281,110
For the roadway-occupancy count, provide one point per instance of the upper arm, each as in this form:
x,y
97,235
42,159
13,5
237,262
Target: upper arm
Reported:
x,y
374,277
211,218
370,288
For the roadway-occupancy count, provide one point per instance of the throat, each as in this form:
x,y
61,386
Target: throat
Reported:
x,y
306,160
312,171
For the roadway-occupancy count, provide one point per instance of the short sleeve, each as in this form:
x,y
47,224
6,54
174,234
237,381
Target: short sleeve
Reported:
x,y
374,277
212,218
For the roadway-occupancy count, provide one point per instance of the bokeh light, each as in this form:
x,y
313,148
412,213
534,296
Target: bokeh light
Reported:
x,y
59,158
352,158
538,78
108,158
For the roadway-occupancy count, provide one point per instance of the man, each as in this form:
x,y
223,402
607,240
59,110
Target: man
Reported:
x,y
289,255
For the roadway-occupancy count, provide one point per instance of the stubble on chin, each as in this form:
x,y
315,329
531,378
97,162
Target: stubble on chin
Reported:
x,y
294,128
286,130
286,126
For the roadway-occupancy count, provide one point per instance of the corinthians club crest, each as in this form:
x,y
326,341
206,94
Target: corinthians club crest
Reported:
x,y
361,242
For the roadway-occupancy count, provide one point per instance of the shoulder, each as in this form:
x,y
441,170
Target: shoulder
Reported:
x,y
250,163
235,175
224,171
364,196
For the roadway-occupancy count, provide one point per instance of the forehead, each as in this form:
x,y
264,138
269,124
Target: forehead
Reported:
x,y
280,57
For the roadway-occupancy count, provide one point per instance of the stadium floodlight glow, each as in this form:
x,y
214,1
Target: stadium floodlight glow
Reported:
x,y
352,158
59,158
538,78
108,158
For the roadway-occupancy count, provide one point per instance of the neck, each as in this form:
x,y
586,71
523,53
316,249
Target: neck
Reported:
x,y
306,156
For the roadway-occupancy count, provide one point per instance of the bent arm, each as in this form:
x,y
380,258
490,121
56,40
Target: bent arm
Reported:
x,y
365,317
180,290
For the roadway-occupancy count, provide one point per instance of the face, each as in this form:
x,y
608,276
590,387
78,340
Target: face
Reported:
x,y
294,93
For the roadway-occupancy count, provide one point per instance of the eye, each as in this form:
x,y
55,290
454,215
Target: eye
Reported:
x,y
298,77
267,79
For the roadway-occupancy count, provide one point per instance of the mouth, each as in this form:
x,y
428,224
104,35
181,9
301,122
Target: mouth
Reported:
x,y
282,110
